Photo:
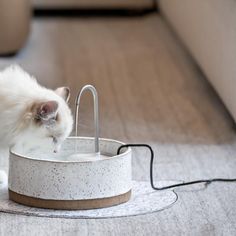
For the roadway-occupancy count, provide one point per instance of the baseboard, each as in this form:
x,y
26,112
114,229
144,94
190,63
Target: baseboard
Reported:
x,y
92,12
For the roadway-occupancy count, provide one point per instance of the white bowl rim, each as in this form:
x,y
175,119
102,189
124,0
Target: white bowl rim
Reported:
x,y
18,155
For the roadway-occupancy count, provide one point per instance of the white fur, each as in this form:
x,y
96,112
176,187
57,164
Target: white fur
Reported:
x,y
3,178
17,91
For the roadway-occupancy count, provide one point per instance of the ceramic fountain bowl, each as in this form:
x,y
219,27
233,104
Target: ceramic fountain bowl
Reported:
x,y
40,178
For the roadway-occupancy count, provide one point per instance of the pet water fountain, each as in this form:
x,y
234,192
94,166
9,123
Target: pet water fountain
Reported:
x,y
86,174
89,178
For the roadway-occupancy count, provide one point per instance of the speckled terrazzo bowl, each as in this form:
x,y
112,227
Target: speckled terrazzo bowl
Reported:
x,y
58,181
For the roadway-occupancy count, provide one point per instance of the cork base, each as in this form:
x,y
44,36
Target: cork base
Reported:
x,y
69,204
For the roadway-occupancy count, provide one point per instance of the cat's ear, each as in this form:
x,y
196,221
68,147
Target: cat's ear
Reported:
x,y
64,92
47,110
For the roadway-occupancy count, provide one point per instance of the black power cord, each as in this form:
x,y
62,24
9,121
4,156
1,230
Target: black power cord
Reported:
x,y
207,181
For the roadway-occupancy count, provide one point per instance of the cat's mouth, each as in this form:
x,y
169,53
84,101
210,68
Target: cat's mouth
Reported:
x,y
57,148
55,140
57,145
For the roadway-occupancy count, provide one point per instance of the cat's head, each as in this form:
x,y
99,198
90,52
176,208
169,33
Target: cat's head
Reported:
x,y
52,117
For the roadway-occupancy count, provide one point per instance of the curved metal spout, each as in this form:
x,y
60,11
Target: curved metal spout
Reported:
x,y
96,114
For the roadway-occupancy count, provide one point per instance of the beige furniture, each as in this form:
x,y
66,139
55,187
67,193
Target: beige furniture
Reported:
x,y
15,16
208,29
14,24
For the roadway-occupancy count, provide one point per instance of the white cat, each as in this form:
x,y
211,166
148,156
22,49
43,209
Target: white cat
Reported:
x,y
31,112
28,110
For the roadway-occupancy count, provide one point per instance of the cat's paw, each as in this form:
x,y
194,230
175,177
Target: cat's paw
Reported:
x,y
3,178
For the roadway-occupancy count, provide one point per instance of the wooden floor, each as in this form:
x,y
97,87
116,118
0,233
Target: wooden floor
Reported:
x,y
150,91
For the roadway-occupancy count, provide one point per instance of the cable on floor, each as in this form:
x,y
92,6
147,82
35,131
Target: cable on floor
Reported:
x,y
207,181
